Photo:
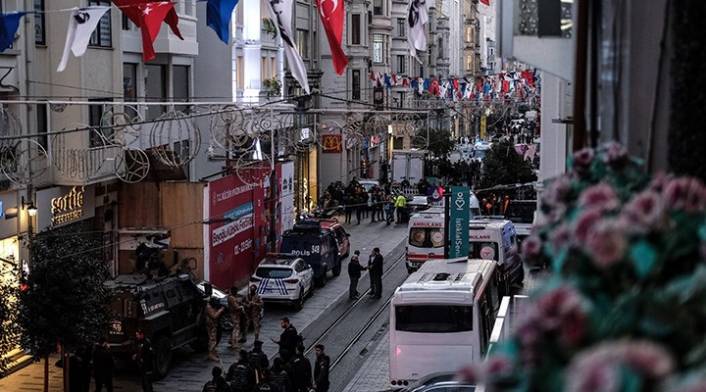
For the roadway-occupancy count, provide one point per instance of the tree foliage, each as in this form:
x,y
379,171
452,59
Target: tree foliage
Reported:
x,y
440,143
66,301
9,337
502,165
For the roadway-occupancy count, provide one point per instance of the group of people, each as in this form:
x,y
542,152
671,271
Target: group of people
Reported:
x,y
243,311
377,203
374,267
291,371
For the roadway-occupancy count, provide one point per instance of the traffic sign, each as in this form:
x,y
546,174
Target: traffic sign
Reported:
x,y
459,215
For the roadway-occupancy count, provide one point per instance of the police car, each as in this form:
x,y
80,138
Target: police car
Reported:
x,y
284,278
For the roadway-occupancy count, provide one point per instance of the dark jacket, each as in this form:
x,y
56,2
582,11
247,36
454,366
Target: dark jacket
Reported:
x,y
241,376
102,362
145,355
301,373
216,385
354,268
279,381
321,371
288,339
376,265
259,360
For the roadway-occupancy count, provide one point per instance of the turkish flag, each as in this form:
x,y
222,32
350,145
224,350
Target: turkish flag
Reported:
x,y
332,13
486,2
148,15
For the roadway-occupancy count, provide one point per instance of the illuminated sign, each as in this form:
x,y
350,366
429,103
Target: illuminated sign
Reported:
x,y
69,207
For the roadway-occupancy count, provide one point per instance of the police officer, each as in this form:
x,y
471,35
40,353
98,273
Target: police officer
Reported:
x,y
241,375
213,313
235,308
301,371
321,369
259,362
255,309
144,356
288,340
354,272
376,273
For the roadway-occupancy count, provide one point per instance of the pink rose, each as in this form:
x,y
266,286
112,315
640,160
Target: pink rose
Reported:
x,y
531,247
685,193
557,191
584,224
600,196
645,211
560,237
606,243
598,368
583,159
615,154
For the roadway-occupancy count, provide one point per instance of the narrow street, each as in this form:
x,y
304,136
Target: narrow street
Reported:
x,y
327,317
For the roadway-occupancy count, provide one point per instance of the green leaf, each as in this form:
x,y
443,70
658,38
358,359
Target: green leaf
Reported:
x,y
644,257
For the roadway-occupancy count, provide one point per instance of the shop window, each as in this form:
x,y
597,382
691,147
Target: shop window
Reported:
x,y
102,36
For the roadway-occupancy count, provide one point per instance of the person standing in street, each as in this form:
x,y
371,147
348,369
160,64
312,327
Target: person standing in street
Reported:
x,y
254,306
376,273
321,369
144,356
213,314
400,207
235,309
301,371
103,366
354,272
279,379
389,208
241,375
259,362
288,340
217,383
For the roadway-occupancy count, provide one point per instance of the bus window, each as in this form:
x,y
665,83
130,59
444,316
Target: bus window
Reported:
x,y
433,318
483,250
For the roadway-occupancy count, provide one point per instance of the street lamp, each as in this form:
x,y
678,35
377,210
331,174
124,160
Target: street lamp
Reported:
x,y
32,210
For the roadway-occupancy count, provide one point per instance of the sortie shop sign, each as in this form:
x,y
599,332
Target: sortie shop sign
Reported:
x,y
69,207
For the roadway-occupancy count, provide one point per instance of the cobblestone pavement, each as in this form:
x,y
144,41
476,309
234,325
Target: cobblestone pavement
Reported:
x,y
191,370
373,374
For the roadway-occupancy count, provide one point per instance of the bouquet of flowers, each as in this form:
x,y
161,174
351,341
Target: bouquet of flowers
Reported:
x,y
625,306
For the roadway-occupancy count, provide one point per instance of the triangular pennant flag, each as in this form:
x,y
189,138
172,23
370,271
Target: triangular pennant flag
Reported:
x,y
82,23
332,17
417,18
218,15
281,13
148,16
9,23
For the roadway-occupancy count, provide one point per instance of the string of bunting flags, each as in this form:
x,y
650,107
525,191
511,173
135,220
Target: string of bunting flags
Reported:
x,y
149,15
519,84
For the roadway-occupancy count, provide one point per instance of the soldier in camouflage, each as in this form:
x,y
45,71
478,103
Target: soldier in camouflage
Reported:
x,y
255,308
236,310
213,312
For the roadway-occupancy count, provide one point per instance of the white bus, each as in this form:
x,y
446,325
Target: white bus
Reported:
x,y
441,318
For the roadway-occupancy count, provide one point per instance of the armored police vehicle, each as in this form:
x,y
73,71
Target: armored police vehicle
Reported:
x,y
170,311
316,245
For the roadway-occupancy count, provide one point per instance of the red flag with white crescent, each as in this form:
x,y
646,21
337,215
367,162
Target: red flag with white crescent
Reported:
x,y
332,13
